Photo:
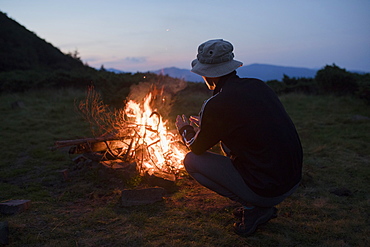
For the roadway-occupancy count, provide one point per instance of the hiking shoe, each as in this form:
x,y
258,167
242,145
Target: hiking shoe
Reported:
x,y
238,212
252,218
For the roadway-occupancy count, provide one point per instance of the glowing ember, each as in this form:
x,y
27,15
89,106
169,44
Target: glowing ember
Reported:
x,y
153,146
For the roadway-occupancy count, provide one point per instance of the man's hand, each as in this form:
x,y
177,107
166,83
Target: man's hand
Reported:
x,y
195,120
181,121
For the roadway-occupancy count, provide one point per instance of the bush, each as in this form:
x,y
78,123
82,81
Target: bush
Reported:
x,y
293,85
363,91
279,87
332,79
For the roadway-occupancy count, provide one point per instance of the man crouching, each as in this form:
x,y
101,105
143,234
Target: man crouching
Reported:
x,y
262,164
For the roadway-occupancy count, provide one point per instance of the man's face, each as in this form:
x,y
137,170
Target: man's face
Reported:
x,y
211,82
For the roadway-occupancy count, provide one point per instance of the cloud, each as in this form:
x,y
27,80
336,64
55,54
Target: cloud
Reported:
x,y
135,60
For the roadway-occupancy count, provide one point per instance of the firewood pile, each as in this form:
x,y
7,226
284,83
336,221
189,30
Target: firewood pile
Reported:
x,y
133,136
114,152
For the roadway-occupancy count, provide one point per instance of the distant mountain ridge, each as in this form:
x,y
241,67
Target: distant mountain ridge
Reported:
x,y
264,72
174,72
267,72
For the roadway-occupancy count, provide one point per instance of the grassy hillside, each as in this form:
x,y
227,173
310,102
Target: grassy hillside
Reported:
x,y
28,62
22,49
331,207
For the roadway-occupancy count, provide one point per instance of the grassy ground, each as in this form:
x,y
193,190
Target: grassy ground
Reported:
x,y
85,210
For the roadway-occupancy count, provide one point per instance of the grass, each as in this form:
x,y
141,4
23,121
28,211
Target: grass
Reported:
x,y
85,210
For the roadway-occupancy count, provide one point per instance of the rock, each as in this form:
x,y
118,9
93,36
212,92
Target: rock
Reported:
x,y
359,118
119,165
64,174
14,206
341,192
142,196
79,158
17,104
4,233
117,168
164,180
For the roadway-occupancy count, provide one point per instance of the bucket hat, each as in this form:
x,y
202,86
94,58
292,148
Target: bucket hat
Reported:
x,y
215,58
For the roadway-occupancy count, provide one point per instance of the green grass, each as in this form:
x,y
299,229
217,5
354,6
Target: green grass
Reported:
x,y
85,210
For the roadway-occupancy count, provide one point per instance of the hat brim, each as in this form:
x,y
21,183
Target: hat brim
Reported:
x,y
215,70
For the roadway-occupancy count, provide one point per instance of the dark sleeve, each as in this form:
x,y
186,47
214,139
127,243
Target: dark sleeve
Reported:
x,y
209,133
187,133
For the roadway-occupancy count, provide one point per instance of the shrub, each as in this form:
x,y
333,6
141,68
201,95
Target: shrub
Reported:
x,y
363,91
332,79
293,85
279,87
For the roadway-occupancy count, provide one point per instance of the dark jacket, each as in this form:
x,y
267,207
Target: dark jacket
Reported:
x,y
247,116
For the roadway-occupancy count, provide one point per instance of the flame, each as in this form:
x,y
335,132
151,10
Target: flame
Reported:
x,y
154,148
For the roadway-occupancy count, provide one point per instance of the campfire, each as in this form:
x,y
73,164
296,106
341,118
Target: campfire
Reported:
x,y
136,134
150,143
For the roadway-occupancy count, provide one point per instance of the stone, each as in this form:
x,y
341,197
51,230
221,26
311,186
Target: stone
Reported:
x,y
14,206
79,158
4,233
65,174
359,118
142,196
118,165
118,168
17,104
164,180
341,192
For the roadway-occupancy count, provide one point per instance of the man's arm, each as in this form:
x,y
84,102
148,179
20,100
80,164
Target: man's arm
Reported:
x,y
186,131
200,139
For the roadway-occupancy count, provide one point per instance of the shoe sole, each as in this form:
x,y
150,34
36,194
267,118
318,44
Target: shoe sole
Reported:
x,y
262,220
274,213
239,215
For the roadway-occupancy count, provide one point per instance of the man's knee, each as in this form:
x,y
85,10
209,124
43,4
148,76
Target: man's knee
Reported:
x,y
189,161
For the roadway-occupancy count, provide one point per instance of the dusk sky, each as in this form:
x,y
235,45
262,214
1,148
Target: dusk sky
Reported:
x,y
138,35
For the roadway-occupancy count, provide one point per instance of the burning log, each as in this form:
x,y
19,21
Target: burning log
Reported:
x,y
138,135
91,145
68,143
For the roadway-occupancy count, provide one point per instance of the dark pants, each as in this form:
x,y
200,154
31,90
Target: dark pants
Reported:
x,y
217,173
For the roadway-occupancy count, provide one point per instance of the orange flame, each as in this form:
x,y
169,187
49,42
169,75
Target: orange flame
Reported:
x,y
154,147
